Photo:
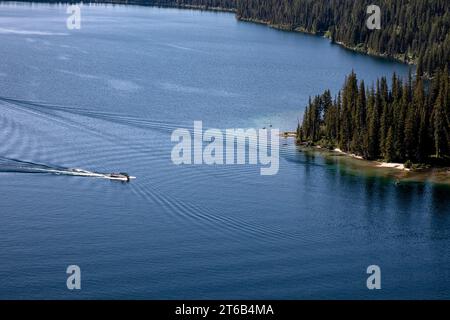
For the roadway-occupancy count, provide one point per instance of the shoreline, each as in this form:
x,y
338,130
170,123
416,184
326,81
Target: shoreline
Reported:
x,y
401,58
395,171
379,164
391,170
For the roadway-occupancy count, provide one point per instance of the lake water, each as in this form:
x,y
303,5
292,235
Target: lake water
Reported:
x,y
107,97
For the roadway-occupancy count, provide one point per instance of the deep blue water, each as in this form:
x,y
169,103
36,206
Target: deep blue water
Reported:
x,y
108,96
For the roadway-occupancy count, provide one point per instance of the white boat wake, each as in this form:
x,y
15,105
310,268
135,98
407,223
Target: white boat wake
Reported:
x,y
18,166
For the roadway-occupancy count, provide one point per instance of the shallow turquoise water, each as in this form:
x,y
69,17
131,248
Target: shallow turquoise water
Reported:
x,y
107,97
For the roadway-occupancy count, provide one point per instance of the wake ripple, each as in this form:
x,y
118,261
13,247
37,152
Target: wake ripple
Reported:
x,y
211,218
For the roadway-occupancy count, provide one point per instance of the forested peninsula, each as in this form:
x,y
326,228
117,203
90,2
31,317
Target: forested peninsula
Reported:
x,y
412,31
408,122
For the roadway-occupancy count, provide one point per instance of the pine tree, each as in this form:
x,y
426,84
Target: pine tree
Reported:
x,y
389,155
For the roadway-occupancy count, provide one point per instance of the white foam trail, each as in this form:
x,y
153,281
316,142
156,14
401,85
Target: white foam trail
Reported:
x,y
31,32
81,173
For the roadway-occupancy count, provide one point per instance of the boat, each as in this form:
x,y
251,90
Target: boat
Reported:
x,y
121,176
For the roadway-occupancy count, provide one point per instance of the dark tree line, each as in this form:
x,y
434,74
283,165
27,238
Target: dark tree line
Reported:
x,y
410,120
